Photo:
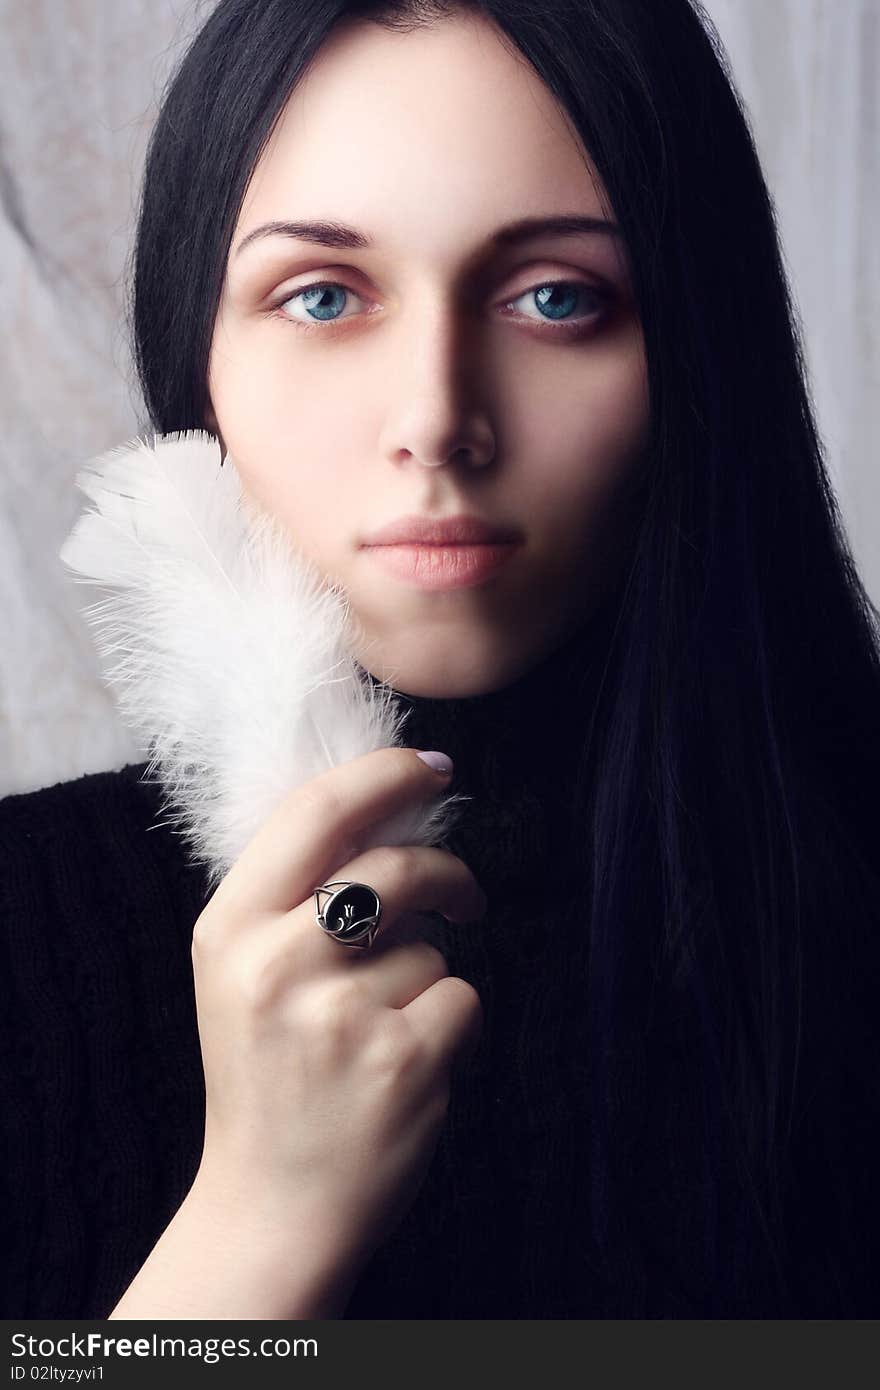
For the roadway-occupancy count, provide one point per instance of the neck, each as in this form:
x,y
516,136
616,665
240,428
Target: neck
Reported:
x,y
541,707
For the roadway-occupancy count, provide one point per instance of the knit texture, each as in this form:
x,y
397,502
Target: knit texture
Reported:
x,y
102,1087
496,1229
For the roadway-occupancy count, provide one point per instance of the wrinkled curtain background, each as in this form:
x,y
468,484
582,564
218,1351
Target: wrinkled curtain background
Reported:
x,y
79,84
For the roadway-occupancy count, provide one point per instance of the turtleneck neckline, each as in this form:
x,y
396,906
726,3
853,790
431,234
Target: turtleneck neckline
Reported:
x,y
518,757
518,754
540,702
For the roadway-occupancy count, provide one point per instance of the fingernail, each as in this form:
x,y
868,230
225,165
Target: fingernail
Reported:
x,y
440,762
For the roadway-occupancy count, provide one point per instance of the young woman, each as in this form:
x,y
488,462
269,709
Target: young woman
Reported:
x,y
518,264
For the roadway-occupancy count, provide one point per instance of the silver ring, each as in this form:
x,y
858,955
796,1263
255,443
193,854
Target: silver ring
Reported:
x,y
351,914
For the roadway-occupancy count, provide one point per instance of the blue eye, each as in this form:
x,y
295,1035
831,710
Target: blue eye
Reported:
x,y
558,298
324,300
321,299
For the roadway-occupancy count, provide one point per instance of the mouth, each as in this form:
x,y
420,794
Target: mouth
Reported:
x,y
443,566
458,529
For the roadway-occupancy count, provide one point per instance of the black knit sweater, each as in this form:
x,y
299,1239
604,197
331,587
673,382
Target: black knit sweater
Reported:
x,y
100,1066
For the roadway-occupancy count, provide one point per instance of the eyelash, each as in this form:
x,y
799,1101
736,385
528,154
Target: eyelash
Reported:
x,y
564,328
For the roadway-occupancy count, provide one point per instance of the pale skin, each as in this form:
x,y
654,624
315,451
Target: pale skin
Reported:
x,y
441,389
425,391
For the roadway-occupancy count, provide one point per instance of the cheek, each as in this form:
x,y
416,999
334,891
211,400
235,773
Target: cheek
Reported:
x,y
285,440
293,427
618,404
285,478
578,431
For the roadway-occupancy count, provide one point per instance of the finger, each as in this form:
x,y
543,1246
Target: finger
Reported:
x,y
449,1018
408,879
306,837
414,878
393,975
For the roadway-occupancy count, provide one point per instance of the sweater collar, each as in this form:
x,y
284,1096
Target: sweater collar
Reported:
x,y
531,718
517,752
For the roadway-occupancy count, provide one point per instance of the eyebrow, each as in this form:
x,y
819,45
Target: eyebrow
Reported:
x,y
338,235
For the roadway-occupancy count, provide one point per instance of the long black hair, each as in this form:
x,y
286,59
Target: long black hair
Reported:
x,y
728,782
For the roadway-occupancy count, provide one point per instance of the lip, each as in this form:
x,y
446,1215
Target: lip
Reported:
x,y
449,530
443,566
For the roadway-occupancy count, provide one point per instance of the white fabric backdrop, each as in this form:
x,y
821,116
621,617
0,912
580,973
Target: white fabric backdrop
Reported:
x,y
79,84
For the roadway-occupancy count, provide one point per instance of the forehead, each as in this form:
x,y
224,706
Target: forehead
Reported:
x,y
434,137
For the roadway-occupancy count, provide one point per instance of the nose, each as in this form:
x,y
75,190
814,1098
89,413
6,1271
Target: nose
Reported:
x,y
434,415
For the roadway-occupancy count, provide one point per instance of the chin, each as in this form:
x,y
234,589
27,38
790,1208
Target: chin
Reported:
x,y
439,690
443,681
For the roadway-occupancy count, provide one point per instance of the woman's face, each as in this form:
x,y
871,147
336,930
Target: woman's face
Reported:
x,y
436,372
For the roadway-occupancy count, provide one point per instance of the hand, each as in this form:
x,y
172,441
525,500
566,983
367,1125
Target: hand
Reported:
x,y
327,1069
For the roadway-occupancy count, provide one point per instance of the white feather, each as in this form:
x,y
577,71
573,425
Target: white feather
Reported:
x,y
232,654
